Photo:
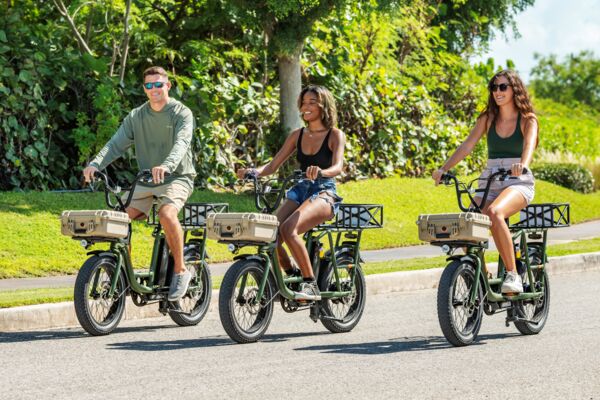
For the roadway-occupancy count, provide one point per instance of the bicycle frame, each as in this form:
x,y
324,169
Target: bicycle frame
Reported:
x,y
266,253
475,253
142,282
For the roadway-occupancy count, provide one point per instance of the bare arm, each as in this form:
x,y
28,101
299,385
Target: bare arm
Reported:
x,y
464,149
530,135
338,142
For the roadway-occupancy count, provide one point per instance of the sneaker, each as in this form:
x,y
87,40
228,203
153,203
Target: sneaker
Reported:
x,y
512,283
308,291
179,285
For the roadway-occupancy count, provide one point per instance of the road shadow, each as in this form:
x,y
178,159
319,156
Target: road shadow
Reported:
x,y
399,345
167,345
73,333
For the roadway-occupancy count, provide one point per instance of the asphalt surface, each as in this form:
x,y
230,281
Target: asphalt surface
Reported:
x,y
396,351
586,230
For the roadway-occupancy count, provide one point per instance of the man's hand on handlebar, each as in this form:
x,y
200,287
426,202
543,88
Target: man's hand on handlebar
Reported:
x,y
88,173
158,174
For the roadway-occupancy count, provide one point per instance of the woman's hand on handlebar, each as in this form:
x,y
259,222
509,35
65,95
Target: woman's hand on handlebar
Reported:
x,y
244,173
313,172
517,169
437,175
89,172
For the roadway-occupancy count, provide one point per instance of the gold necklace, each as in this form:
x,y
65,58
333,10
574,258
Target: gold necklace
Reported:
x,y
310,133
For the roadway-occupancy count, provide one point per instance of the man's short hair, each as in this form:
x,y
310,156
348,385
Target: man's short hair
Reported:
x,y
155,71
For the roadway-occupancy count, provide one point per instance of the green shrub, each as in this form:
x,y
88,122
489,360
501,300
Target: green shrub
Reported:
x,y
571,176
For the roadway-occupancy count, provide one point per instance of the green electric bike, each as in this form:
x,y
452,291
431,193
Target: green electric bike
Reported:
x,y
467,289
107,277
255,281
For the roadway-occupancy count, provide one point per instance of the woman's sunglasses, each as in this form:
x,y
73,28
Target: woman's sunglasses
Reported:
x,y
494,87
149,85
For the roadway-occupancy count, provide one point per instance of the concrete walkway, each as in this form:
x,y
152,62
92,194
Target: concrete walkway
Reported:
x,y
586,230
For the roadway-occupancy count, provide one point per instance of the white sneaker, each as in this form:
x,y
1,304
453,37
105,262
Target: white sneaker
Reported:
x,y
308,291
179,285
512,283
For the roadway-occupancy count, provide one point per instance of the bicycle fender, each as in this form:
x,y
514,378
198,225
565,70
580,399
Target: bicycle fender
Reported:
x,y
101,253
248,257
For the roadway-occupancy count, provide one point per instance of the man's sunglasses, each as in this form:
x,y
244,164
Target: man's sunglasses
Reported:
x,y
149,85
494,87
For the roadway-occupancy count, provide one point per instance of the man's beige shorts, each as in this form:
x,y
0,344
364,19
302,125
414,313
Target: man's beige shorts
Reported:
x,y
173,193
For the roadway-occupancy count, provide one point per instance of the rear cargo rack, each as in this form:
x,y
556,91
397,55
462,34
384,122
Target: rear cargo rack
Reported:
x,y
193,215
542,216
356,217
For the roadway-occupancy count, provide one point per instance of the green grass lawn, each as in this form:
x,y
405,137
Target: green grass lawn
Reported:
x,y
31,243
17,298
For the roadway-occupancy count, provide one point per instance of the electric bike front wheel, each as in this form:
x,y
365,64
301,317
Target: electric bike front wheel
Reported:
x,y
244,316
459,319
99,312
342,314
192,307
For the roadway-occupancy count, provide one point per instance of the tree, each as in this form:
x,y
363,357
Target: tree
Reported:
x,y
287,24
576,79
469,23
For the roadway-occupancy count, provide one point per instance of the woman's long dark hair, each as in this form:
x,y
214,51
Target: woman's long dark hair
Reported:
x,y
326,104
520,97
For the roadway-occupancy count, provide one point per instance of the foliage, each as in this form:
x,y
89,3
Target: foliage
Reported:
x,y
568,129
465,24
575,80
571,176
406,96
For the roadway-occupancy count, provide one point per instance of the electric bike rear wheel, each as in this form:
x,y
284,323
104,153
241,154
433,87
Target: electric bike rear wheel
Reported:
x,y
533,314
345,311
192,307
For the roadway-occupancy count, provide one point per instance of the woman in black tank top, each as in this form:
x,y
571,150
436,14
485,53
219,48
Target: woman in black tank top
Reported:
x,y
319,149
512,132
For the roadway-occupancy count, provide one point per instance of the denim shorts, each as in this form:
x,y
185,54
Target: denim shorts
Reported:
x,y
524,184
306,189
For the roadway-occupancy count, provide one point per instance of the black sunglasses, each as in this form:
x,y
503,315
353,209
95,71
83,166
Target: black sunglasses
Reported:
x,y
502,87
149,85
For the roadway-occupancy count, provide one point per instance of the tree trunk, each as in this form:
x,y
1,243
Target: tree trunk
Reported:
x,y
290,82
125,45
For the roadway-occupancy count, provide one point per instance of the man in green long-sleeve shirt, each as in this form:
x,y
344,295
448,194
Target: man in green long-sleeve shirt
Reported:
x,y
161,131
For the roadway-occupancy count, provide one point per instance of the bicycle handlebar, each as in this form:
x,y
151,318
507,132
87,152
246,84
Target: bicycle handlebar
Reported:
x,y
261,190
501,174
144,176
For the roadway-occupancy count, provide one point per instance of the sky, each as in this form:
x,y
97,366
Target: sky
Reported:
x,y
556,27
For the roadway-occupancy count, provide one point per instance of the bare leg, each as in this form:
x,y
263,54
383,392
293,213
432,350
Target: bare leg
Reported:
x,y
508,203
174,235
307,216
134,215
286,209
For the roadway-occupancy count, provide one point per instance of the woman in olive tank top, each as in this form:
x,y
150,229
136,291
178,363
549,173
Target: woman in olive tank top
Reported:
x,y
512,136
319,148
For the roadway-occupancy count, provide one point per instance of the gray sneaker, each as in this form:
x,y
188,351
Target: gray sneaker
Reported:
x,y
179,285
512,283
308,291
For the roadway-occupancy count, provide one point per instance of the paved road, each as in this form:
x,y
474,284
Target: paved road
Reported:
x,y
396,351
586,230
